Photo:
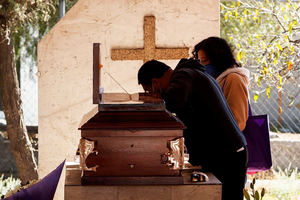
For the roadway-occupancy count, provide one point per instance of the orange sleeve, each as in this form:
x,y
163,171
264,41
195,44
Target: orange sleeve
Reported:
x,y
236,93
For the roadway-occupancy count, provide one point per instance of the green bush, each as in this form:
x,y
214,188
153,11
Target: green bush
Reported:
x,y
8,184
287,173
253,193
287,186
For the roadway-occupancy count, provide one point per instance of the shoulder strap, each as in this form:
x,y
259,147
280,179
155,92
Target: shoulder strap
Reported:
x,y
223,84
249,109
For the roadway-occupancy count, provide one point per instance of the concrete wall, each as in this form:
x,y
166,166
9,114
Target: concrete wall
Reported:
x,y
65,61
285,152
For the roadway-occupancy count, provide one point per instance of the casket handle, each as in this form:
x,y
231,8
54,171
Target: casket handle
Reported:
x,y
165,159
91,159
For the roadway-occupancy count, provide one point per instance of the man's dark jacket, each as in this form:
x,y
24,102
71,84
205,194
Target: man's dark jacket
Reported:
x,y
197,100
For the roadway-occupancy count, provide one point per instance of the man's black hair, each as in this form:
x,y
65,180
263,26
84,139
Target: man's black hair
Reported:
x,y
151,69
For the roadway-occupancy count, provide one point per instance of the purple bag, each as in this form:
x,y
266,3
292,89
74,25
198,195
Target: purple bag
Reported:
x,y
258,142
43,190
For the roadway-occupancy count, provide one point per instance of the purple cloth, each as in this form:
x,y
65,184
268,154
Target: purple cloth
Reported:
x,y
258,142
43,190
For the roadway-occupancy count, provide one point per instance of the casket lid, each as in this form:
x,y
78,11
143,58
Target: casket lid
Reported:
x,y
137,115
148,120
130,102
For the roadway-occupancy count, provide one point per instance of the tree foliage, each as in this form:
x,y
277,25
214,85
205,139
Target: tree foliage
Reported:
x,y
32,31
266,39
17,13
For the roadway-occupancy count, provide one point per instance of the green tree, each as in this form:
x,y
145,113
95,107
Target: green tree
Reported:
x,y
13,15
29,34
266,39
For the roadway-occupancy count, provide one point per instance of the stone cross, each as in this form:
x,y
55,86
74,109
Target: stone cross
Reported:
x,y
149,51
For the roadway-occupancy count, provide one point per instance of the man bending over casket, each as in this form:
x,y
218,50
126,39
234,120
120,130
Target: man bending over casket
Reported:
x,y
213,139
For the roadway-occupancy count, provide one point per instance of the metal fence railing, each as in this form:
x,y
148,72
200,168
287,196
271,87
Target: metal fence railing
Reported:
x,y
289,119
29,95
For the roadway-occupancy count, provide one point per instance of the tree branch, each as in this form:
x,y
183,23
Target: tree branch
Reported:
x,y
278,21
271,41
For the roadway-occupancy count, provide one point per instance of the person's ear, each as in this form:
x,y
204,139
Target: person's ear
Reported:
x,y
155,85
155,82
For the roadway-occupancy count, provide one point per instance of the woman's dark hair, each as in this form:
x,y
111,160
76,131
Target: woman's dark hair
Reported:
x,y
218,52
151,69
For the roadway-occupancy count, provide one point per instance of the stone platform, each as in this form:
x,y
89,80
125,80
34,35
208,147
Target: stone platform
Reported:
x,y
210,190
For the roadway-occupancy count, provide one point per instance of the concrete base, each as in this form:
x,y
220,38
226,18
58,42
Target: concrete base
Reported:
x,y
210,190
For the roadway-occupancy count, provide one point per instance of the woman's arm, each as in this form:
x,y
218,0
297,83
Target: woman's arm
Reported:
x,y
236,93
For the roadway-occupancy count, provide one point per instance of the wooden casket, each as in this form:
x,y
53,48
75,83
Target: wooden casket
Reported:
x,y
131,142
